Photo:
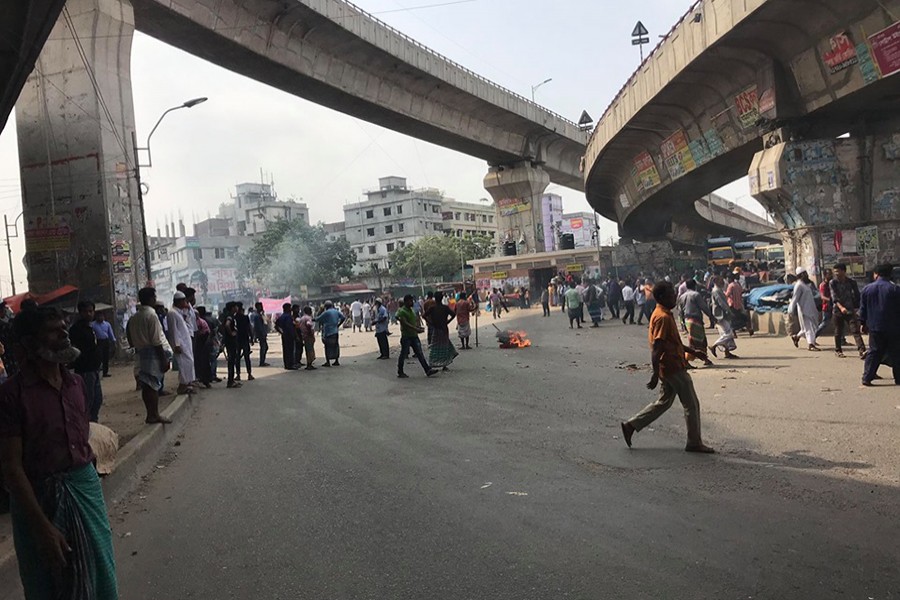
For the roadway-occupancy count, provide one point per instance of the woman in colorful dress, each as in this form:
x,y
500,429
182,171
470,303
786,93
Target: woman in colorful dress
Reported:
x,y
442,351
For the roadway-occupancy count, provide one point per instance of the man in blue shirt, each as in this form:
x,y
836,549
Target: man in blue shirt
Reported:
x,y
106,339
879,314
284,325
381,330
330,322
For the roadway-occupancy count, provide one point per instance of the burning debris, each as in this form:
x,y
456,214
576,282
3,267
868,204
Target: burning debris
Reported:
x,y
512,339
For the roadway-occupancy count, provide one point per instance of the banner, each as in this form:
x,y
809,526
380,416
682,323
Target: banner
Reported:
x,y
886,49
48,234
273,306
511,206
647,175
576,223
747,105
677,155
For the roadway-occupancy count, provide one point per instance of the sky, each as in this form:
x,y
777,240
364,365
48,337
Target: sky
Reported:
x,y
325,158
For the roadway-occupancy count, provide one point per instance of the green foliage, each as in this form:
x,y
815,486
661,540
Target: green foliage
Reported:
x,y
291,253
441,256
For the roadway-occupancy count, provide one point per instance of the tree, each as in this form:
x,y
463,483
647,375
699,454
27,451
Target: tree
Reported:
x,y
441,256
291,253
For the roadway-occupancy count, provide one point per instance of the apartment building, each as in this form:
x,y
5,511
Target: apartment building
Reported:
x,y
255,205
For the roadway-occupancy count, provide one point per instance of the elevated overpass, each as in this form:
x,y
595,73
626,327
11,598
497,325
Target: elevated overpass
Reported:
x,y
733,77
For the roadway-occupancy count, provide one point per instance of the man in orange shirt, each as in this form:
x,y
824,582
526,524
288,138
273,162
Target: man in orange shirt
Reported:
x,y
669,368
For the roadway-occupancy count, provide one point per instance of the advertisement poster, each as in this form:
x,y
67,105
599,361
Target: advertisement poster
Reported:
x,y
219,281
747,105
714,142
576,223
866,65
767,100
511,206
647,175
867,240
886,49
120,250
842,54
48,234
848,241
829,250
677,154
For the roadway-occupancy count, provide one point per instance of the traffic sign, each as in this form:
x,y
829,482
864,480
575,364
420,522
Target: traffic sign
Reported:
x,y
639,41
639,30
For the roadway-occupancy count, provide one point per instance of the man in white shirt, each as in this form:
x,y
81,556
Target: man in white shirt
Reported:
x,y
804,302
180,339
356,311
628,298
581,289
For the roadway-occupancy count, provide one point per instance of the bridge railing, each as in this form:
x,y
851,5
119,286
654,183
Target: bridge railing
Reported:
x,y
453,63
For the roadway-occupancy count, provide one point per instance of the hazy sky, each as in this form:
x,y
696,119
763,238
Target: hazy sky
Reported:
x,y
327,158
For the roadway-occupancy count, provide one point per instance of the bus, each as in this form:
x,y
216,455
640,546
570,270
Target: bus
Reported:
x,y
719,251
773,254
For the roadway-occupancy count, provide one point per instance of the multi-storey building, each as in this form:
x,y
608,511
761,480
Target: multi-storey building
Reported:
x,y
255,205
463,219
391,217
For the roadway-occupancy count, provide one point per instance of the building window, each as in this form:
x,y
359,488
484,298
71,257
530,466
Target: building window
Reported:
x,y
403,244
434,208
427,224
387,211
220,252
389,229
400,227
490,218
484,218
370,232
438,226
359,250
399,209
456,216
459,233
372,249
198,253
390,247
370,214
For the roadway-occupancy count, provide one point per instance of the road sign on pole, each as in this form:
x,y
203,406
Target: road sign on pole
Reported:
x,y
639,37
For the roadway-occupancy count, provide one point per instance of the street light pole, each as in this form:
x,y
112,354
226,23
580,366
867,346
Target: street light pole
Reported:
x,y
534,88
137,175
12,276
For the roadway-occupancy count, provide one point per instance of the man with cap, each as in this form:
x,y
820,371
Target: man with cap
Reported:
x,y
804,302
182,344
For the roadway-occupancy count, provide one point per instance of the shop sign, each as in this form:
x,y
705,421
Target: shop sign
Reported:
x,y
499,275
574,268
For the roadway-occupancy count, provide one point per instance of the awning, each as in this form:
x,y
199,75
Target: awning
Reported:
x,y
15,302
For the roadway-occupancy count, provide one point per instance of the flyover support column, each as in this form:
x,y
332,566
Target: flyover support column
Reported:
x,y
517,191
836,200
75,119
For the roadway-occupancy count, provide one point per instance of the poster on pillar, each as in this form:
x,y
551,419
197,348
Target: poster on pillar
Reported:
x,y
747,105
48,234
645,170
886,49
512,206
867,240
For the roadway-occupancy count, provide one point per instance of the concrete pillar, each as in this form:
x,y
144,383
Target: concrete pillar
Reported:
x,y
517,191
836,200
75,119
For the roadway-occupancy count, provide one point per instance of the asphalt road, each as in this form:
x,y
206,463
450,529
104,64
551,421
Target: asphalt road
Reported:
x,y
504,478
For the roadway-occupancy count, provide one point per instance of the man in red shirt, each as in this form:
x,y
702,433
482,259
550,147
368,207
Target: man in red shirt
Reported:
x,y
464,310
61,530
740,317
670,368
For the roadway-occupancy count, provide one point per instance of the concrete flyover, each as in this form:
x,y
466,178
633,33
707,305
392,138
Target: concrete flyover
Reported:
x,y
333,53
732,77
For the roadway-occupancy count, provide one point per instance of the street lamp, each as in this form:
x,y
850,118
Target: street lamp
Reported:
x,y
137,172
12,276
534,88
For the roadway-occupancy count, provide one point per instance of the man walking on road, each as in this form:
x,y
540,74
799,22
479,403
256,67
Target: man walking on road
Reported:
x,y
545,302
844,300
330,321
880,316
242,322
670,368
61,531
409,338
571,303
356,313
230,342
151,351
803,302
284,325
306,330
692,307
381,330
260,331
628,298
613,295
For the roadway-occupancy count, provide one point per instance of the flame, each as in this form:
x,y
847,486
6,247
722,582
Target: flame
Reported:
x,y
514,339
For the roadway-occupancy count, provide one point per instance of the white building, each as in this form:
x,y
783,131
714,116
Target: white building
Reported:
x,y
255,205
390,218
463,219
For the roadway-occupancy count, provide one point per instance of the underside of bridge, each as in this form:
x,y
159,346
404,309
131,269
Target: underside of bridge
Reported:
x,y
26,25
772,73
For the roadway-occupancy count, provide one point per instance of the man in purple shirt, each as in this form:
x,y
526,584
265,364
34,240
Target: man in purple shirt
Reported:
x,y
61,531
879,314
